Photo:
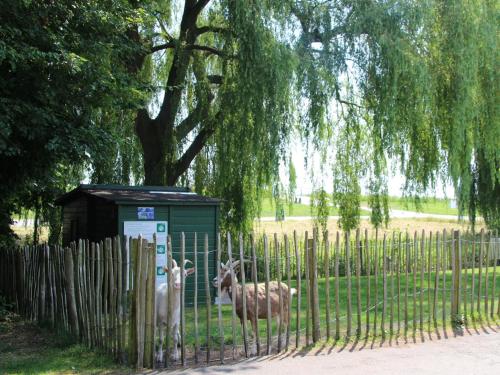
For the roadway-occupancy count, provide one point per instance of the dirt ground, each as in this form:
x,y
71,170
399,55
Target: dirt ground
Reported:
x,y
411,225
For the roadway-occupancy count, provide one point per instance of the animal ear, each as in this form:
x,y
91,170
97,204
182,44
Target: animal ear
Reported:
x,y
189,271
222,265
165,269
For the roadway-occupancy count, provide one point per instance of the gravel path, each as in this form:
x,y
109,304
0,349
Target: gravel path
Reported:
x,y
477,352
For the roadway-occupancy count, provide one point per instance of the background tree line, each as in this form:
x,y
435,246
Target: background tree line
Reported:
x,y
210,93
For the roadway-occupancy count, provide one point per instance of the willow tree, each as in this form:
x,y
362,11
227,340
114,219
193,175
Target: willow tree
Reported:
x,y
411,82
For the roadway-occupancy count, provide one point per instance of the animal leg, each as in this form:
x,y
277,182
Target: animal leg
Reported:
x,y
176,336
159,352
253,350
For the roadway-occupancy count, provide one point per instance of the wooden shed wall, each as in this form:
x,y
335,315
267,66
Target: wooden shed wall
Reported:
x,y
76,212
102,216
191,220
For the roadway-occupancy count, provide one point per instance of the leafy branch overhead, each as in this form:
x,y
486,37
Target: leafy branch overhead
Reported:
x,y
212,93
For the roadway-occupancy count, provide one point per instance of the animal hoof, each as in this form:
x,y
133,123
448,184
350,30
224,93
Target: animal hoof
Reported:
x,y
159,357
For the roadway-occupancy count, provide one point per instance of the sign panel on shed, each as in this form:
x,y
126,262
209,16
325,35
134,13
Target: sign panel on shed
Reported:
x,y
147,229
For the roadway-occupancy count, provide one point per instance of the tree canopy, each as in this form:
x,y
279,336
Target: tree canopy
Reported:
x,y
216,90
58,68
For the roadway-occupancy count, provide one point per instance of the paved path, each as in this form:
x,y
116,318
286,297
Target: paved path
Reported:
x,y
475,353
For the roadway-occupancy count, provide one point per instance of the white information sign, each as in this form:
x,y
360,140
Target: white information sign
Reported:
x,y
146,229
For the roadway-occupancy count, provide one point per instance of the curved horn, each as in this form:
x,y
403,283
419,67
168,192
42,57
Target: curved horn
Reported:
x,y
187,261
174,263
236,263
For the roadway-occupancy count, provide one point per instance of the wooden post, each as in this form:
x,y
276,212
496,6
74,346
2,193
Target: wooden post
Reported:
x,y
472,295
233,290
443,266
244,296
436,281
486,274
268,300
422,274
376,260
112,296
99,271
465,268
398,278
316,333
414,273
219,305
337,301
308,288
120,291
495,258
142,323
358,283
298,276
327,285
150,306
349,284
429,282
384,284
86,287
480,272
368,277
90,281
280,297
70,292
105,295
407,267
289,283
456,277
183,295
195,299
256,296
137,302
170,288
208,299
391,269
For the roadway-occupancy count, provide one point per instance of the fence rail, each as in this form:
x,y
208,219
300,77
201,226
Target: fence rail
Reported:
x,y
383,284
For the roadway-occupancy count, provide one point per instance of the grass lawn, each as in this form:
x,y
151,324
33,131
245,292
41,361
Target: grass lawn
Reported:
x,y
375,307
25,348
428,205
295,209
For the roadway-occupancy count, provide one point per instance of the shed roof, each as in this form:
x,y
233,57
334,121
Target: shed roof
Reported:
x,y
121,194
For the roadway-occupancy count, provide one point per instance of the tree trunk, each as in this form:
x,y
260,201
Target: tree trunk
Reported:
x,y
153,147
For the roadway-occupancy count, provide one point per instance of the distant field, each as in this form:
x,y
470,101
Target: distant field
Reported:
x,y
407,224
429,205
295,209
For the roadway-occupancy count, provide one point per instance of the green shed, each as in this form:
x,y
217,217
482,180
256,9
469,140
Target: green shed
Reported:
x,y
95,212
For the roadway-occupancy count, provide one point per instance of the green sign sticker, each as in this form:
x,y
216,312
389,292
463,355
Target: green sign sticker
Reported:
x,y
160,228
160,249
160,271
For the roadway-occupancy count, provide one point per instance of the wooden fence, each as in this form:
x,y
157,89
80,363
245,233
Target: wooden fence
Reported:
x,y
347,285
